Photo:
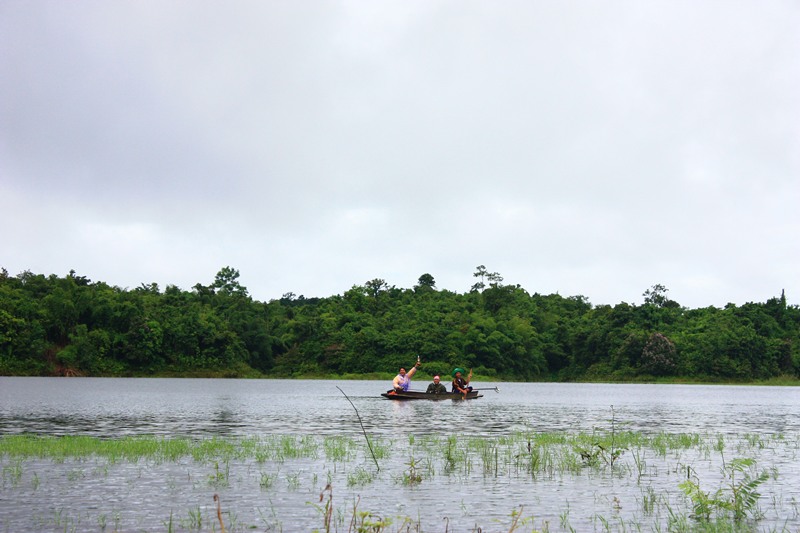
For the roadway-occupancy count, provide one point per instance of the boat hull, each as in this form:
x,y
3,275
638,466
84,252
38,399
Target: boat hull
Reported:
x,y
418,395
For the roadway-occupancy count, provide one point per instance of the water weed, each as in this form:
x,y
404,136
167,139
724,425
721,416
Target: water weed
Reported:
x,y
360,477
662,482
412,475
270,521
12,473
380,448
267,480
339,448
221,476
194,520
738,497
649,499
293,480
564,519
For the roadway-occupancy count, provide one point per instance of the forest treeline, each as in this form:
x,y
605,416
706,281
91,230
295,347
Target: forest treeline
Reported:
x,y
51,325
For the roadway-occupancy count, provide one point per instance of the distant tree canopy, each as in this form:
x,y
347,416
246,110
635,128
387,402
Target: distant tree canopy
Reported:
x,y
69,325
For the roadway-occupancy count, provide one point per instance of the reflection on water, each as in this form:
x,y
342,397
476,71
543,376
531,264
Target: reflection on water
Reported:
x,y
198,407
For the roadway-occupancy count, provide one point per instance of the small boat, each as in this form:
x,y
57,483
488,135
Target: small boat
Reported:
x,y
419,395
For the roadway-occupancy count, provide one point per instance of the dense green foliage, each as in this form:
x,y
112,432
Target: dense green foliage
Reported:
x,y
52,325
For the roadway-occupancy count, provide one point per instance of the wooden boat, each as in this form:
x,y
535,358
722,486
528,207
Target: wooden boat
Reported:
x,y
419,395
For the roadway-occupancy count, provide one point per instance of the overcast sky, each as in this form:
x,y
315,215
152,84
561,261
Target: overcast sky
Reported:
x,y
582,148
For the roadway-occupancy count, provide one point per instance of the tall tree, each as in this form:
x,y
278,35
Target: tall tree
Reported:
x,y
425,282
656,295
226,282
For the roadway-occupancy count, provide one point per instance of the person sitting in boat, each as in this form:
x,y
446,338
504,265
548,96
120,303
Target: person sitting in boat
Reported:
x,y
402,380
459,383
436,387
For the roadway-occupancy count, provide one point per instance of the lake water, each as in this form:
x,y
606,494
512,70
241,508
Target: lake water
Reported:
x,y
53,497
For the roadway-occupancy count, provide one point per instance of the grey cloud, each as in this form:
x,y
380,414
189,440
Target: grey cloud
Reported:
x,y
593,149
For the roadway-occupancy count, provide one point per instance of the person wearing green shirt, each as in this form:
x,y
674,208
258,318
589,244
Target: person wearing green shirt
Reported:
x,y
436,387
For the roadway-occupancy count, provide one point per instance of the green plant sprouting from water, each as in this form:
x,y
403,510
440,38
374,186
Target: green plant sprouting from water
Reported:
x,y
221,476
412,475
738,496
605,446
428,458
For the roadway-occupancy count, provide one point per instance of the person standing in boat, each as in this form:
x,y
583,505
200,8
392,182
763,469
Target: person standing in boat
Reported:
x,y
403,379
459,383
436,387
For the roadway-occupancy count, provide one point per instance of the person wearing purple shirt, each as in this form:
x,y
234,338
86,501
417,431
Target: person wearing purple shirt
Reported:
x,y
403,379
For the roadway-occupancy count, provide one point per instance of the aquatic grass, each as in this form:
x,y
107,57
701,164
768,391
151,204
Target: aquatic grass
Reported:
x,y
564,519
271,522
167,524
80,446
754,440
360,477
648,501
295,447
548,454
738,496
293,480
12,473
381,449
412,475
61,519
158,449
194,520
339,448
487,451
528,457
495,451
545,439
214,448
719,445
456,456
75,474
537,461
250,447
221,476
267,480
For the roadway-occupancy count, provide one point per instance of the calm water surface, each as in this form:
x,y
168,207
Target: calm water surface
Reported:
x,y
202,407
87,495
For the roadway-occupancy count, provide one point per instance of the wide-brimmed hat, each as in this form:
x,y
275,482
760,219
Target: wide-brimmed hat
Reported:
x,y
457,369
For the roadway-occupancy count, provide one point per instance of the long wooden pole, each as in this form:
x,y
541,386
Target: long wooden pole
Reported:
x,y
362,429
